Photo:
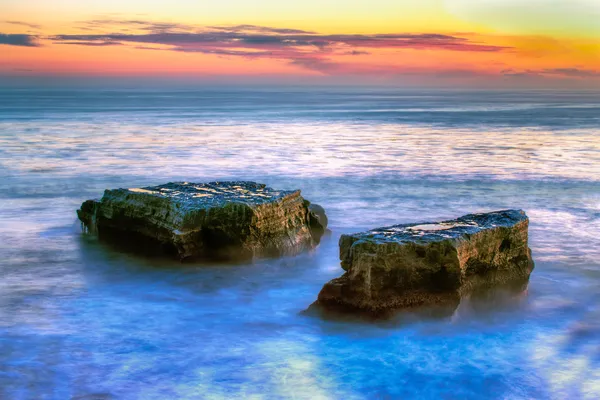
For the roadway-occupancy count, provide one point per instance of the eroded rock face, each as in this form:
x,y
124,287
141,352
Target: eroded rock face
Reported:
x,y
207,220
428,263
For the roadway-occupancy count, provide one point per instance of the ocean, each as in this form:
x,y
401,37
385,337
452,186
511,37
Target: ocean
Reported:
x,y
82,320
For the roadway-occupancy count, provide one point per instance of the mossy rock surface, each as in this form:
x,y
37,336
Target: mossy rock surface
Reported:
x,y
232,219
425,263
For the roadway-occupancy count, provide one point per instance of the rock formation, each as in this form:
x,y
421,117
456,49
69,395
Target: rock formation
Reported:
x,y
237,220
428,263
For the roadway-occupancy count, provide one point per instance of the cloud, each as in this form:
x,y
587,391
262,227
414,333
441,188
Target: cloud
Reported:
x,y
93,43
26,24
189,38
356,53
298,47
306,49
552,73
302,48
147,48
256,28
250,37
524,74
18,40
316,64
129,25
220,52
573,72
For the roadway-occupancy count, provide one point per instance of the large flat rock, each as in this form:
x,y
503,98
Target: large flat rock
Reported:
x,y
207,220
428,263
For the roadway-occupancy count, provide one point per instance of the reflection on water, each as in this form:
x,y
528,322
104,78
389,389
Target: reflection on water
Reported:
x,y
305,149
81,320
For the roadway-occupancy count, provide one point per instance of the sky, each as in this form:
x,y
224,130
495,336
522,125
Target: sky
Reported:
x,y
470,43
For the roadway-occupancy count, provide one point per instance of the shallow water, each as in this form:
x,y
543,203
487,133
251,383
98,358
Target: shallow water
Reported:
x,y
81,320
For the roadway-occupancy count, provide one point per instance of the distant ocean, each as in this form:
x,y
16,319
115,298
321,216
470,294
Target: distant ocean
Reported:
x,y
81,320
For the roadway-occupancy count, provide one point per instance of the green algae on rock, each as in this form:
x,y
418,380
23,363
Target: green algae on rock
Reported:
x,y
227,220
428,263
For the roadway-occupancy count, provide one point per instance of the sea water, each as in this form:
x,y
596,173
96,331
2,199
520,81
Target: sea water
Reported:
x,y
80,319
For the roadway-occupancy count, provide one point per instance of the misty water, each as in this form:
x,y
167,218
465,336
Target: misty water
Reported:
x,y
80,319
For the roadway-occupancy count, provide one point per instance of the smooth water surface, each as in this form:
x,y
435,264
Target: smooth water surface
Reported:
x,y
79,319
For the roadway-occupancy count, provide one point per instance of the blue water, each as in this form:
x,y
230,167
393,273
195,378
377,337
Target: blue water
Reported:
x,y
79,319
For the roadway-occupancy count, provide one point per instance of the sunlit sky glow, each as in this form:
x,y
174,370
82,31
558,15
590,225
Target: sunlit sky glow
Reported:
x,y
446,42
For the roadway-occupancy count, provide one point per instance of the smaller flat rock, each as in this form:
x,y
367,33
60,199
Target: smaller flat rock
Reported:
x,y
233,219
426,263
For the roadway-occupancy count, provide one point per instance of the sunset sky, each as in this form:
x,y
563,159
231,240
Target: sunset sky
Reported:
x,y
429,42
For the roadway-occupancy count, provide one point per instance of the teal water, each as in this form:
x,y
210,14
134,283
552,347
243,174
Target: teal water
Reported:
x,y
81,320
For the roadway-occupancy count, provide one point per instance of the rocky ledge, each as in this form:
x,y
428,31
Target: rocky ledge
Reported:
x,y
207,220
428,263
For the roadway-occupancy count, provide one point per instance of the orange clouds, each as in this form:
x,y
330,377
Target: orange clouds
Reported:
x,y
139,47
